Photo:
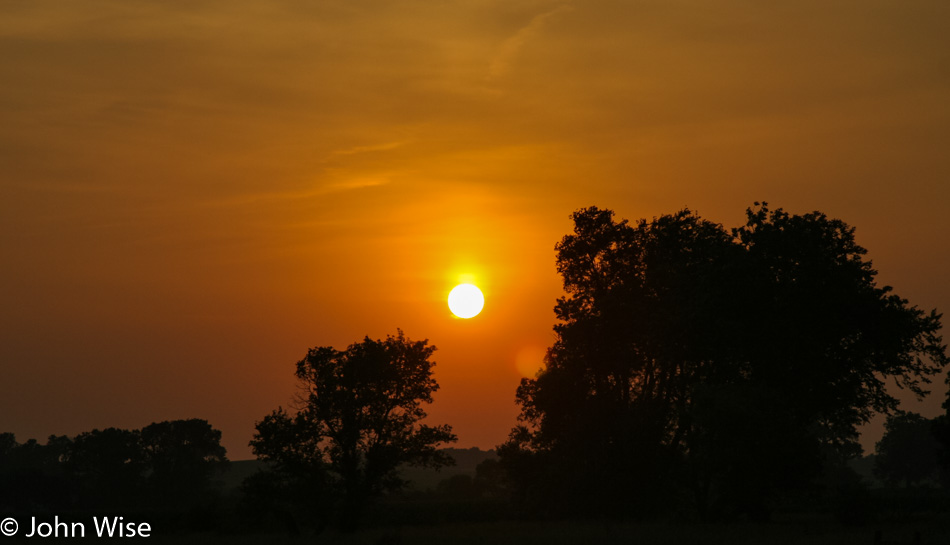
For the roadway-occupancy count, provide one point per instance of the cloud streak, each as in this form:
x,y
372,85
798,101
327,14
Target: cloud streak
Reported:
x,y
505,57
372,148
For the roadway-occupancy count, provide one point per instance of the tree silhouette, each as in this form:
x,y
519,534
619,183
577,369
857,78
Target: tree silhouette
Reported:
x,y
166,465
108,466
182,456
682,345
908,450
32,476
357,421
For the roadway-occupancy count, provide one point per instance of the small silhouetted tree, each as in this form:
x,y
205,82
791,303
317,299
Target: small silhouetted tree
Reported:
x,y
357,421
490,479
8,444
108,466
33,476
908,450
941,432
457,487
182,457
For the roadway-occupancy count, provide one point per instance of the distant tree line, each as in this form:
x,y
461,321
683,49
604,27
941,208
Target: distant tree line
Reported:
x,y
165,466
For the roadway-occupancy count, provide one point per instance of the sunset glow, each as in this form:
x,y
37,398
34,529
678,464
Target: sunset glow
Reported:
x,y
193,194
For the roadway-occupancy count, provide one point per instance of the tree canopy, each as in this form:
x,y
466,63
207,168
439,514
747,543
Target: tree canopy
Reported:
x,y
908,451
732,362
183,456
170,465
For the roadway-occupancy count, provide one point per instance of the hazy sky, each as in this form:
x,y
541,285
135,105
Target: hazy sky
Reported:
x,y
194,193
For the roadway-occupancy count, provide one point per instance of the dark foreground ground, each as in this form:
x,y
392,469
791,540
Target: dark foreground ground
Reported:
x,y
926,523
555,533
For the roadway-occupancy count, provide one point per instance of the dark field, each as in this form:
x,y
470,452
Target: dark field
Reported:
x,y
547,533
907,515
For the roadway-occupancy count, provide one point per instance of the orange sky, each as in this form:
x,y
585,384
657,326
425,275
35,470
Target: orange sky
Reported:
x,y
193,194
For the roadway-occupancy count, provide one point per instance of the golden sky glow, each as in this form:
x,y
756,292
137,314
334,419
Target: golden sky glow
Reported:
x,y
193,194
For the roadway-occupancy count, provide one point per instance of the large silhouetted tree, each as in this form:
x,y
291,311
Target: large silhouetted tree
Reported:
x,y
357,421
732,362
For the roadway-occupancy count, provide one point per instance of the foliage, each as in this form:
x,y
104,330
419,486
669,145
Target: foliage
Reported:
x,y
730,362
109,466
182,456
357,421
908,450
168,464
490,479
33,476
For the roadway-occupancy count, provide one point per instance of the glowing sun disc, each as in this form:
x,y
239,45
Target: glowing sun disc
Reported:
x,y
466,300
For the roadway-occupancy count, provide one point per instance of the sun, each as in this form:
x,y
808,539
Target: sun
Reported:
x,y
466,300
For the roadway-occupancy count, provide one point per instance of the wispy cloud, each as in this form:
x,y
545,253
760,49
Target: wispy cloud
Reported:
x,y
356,183
501,63
315,191
372,148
